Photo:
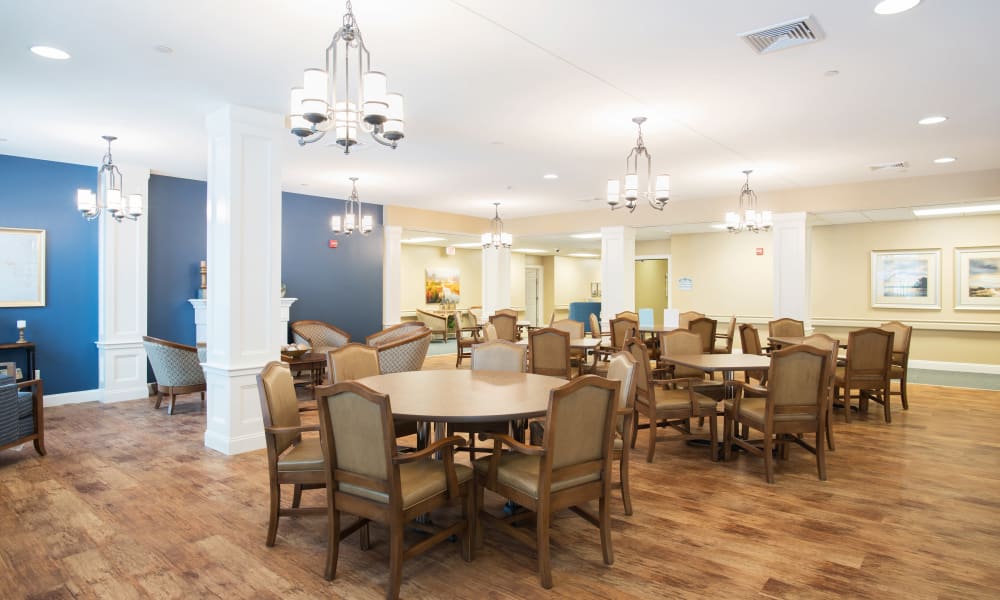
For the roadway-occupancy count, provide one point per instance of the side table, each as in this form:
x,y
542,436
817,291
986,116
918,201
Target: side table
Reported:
x,y
29,351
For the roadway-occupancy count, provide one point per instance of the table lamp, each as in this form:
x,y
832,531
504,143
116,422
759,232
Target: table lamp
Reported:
x,y
21,324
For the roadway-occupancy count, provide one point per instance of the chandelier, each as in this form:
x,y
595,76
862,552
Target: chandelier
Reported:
x,y
656,196
347,96
352,219
748,217
109,193
495,237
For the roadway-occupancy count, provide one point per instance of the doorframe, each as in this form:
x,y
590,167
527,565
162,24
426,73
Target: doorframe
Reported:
x,y
540,282
670,266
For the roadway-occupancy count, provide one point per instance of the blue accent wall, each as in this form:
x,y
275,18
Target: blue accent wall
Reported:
x,y
38,194
178,240
341,286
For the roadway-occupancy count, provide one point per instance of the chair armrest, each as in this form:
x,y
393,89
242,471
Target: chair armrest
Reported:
x,y
453,440
29,383
299,429
519,447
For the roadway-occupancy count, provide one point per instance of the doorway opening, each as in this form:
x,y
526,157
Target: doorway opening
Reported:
x,y
652,285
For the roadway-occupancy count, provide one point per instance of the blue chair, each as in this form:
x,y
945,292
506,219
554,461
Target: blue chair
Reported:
x,y
21,415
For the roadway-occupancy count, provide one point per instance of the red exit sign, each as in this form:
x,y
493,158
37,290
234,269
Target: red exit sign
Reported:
x,y
760,252
333,243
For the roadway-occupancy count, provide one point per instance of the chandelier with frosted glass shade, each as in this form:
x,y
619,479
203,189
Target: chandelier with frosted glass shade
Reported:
x,y
347,97
352,220
109,195
495,237
748,217
656,195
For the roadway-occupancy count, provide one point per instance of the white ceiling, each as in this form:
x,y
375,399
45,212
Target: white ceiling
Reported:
x,y
500,93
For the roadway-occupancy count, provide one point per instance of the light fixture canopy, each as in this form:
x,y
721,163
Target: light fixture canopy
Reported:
x,y
109,195
748,217
352,220
657,195
495,237
346,97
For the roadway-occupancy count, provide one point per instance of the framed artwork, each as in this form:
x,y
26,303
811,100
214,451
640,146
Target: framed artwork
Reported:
x,y
977,278
595,289
441,285
906,279
22,267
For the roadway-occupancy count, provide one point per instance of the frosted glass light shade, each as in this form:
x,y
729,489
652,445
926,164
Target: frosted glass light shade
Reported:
x,y
86,202
732,220
314,87
133,205
614,191
631,186
349,224
393,128
335,225
345,117
662,187
113,200
375,103
367,224
766,219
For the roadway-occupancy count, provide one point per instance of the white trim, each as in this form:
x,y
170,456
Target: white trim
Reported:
x,y
234,445
540,281
927,325
939,365
121,395
71,398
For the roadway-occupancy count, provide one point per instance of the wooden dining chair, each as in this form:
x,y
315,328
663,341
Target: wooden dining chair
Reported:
x,y
750,342
548,353
571,468
786,327
685,318
623,328
724,341
368,478
506,325
831,345
575,329
900,357
705,329
466,335
795,403
291,459
628,314
669,402
623,367
490,332
869,359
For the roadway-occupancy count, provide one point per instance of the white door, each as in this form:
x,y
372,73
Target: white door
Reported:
x,y
532,303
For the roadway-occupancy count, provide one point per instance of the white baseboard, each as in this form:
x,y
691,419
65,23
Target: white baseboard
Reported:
x,y
71,398
235,445
123,394
937,365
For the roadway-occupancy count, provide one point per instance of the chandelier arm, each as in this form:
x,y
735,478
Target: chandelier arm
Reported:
x,y
376,134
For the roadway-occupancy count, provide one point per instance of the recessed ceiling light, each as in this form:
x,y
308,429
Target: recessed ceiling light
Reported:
x,y
894,7
832,73
718,226
964,209
944,160
583,255
550,176
50,52
163,49
468,245
422,240
587,236
932,120
529,250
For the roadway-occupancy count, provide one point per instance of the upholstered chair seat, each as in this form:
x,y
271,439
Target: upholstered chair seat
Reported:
x,y
418,481
21,413
305,456
436,323
321,337
520,472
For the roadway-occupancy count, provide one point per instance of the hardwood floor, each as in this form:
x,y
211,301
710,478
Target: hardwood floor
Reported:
x,y
129,503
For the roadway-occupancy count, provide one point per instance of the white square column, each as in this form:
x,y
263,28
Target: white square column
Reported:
x,y
496,280
244,271
121,297
792,266
617,272
392,275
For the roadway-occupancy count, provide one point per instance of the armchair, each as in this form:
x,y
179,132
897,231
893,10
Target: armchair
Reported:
x,y
404,353
506,325
436,323
321,337
394,333
22,416
176,369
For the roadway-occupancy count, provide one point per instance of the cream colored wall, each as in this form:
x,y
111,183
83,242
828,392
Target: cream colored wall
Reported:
x,y
841,284
517,280
549,265
728,276
650,287
652,247
573,277
429,220
415,259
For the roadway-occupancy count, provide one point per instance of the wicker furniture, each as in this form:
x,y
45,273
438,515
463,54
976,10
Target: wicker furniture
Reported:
x,y
176,369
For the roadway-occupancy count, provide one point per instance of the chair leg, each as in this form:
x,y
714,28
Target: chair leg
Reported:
x,y
847,404
40,444
652,439
729,427
170,407
604,516
333,542
202,400
159,399
364,537
902,391
272,521
713,430
297,495
769,457
887,405
469,515
820,454
542,536
635,428
395,560
478,529
623,475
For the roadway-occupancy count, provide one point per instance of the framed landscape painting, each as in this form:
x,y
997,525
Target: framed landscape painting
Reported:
x,y
22,267
441,285
977,278
906,279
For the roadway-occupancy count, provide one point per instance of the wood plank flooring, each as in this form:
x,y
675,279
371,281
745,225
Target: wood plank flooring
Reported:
x,y
130,504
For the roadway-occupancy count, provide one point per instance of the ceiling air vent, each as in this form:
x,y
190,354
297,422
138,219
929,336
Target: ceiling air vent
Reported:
x,y
900,165
796,32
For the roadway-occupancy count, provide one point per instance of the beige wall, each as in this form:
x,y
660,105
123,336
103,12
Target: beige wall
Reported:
x,y
841,288
728,277
415,259
650,287
572,279
652,247
429,220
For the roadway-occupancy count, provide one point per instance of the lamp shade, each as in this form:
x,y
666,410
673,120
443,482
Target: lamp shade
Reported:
x,y
133,205
631,186
335,225
662,187
376,105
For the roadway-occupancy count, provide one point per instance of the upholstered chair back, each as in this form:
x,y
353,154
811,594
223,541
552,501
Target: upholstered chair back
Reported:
x,y
467,319
705,329
405,353
321,337
643,375
595,326
685,318
869,354
394,333
490,332
900,337
506,326
786,327
548,350
174,365
278,403
797,383
573,328
579,423
623,367
362,434
680,341
750,339
623,328
498,355
352,361
628,314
